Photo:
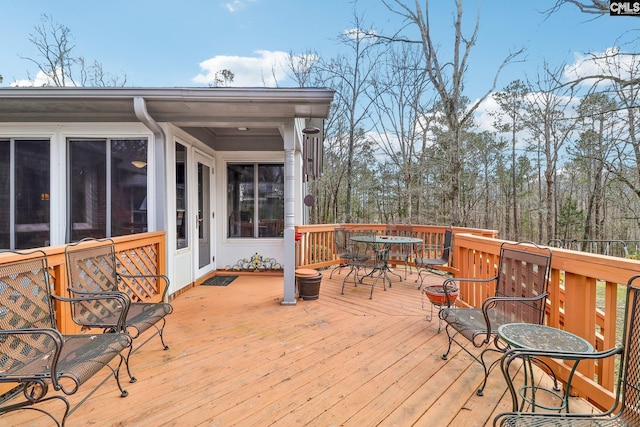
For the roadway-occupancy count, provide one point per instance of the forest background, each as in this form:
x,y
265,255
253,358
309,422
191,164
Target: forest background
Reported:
x,y
402,144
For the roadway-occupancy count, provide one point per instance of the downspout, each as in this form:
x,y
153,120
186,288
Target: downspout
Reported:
x,y
160,175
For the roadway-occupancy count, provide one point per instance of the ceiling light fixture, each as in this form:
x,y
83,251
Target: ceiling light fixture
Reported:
x,y
243,129
139,163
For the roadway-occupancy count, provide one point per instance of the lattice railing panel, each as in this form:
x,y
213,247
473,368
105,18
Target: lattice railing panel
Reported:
x,y
140,261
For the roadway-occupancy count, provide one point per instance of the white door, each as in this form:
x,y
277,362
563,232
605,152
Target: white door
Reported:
x,y
204,256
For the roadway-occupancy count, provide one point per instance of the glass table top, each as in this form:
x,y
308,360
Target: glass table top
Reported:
x,y
541,337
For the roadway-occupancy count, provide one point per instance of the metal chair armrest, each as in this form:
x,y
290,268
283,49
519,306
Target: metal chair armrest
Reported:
x,y
121,297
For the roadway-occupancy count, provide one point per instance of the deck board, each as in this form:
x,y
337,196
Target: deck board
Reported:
x,y
239,357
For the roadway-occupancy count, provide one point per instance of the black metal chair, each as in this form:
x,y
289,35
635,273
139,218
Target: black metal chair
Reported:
x,y
34,354
519,295
625,410
431,255
93,269
403,253
346,251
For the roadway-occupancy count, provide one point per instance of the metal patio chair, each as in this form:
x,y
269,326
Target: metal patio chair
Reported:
x,y
94,269
428,256
519,295
402,253
34,354
346,250
625,410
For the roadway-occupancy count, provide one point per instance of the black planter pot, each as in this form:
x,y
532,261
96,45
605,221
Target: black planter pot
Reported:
x,y
309,286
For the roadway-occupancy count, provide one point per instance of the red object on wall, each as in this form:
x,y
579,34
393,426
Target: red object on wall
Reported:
x,y
298,237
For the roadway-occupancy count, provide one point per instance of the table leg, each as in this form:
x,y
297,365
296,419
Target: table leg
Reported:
x,y
529,385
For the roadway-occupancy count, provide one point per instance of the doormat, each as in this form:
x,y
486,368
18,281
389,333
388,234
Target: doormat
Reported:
x,y
219,280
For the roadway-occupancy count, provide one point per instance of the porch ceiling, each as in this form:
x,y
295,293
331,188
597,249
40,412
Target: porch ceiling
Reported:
x,y
210,114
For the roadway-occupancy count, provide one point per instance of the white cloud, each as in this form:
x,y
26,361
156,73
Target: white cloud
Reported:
x,y
237,5
266,69
360,34
483,114
41,80
608,63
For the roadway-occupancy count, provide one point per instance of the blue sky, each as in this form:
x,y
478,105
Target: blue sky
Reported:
x,y
161,43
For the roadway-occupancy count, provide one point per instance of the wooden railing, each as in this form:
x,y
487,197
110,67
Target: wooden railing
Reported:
x,y
316,247
575,280
146,249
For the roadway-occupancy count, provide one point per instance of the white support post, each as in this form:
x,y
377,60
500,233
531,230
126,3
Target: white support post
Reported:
x,y
289,216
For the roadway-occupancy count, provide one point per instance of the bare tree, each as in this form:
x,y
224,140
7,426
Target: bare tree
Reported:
x,y
509,119
549,122
401,120
448,77
627,165
57,61
352,77
591,153
302,68
222,78
55,45
597,7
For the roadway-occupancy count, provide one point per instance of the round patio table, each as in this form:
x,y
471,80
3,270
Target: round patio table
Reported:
x,y
386,242
545,338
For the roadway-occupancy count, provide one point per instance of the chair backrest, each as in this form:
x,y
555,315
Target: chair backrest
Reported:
x,y
25,303
361,249
91,265
437,250
523,272
340,240
448,241
630,367
403,230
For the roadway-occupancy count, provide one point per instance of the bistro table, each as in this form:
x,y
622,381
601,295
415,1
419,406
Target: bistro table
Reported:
x,y
386,242
544,338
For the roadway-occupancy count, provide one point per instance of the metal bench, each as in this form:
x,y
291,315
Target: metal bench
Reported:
x,y
33,353
94,269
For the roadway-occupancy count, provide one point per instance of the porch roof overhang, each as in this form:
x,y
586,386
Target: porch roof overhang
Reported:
x,y
212,115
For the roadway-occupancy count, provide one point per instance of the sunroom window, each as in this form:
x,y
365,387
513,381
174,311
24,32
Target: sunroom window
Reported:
x,y
24,193
255,202
108,187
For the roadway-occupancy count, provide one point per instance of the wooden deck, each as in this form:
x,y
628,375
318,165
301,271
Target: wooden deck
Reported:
x,y
239,357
